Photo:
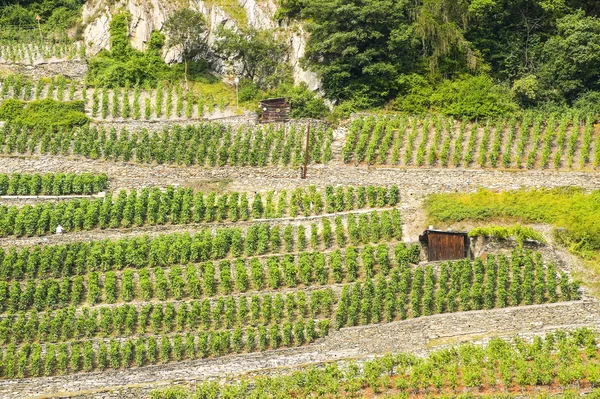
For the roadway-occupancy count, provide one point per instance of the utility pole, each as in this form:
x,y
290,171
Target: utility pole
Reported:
x,y
306,153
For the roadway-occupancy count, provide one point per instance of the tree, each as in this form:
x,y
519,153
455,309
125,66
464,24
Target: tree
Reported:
x,y
440,25
359,48
260,52
186,29
572,57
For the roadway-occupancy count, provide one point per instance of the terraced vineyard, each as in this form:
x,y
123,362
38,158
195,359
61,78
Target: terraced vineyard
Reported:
x,y
117,304
166,101
535,141
193,251
29,51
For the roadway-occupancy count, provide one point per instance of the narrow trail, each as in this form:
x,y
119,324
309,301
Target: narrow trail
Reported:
x,y
417,336
154,230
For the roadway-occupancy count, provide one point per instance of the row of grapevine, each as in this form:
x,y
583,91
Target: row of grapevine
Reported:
x,y
195,281
531,142
560,360
147,104
31,51
78,258
129,103
33,360
52,183
462,286
209,144
127,320
181,206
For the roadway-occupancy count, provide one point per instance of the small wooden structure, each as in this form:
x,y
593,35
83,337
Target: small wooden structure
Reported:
x,y
275,110
445,245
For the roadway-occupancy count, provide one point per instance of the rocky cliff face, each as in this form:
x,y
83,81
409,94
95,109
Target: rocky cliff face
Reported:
x,y
149,15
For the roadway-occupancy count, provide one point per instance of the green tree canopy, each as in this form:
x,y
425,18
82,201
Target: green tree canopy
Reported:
x,y
260,53
571,59
360,48
186,30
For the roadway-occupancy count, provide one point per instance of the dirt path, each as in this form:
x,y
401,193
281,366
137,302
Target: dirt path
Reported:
x,y
416,335
154,230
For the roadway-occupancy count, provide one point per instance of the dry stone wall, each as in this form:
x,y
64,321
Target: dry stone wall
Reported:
x,y
22,200
412,182
226,118
47,69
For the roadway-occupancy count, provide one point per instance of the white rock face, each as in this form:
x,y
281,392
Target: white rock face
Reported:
x,y
146,16
298,46
150,15
260,16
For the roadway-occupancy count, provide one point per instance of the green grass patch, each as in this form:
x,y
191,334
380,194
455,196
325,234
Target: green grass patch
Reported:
x,y
568,208
520,233
217,89
574,214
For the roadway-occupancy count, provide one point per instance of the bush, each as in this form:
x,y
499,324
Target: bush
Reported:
x,y
520,233
305,103
124,64
47,112
344,110
11,109
472,97
415,95
247,91
587,103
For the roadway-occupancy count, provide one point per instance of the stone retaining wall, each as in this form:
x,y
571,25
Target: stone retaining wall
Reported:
x,y
46,69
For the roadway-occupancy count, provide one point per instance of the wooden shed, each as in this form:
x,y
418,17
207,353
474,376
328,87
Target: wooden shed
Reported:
x,y
445,245
275,110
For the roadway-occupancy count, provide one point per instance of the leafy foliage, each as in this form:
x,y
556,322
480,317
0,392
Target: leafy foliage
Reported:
x,y
520,233
49,113
462,50
361,66
260,53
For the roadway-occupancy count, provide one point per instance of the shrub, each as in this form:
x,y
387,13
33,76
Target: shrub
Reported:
x,y
124,64
472,97
11,109
47,113
305,103
520,233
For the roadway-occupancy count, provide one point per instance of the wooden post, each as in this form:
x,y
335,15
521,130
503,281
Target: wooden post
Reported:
x,y
306,153
37,17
